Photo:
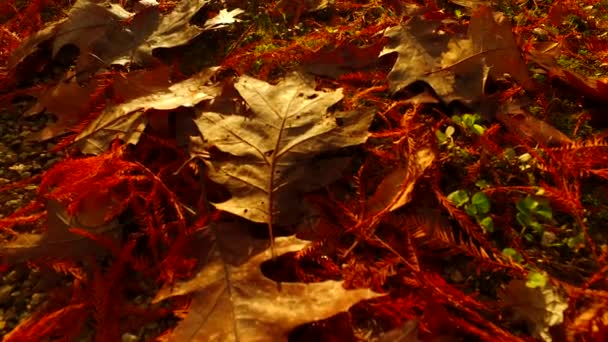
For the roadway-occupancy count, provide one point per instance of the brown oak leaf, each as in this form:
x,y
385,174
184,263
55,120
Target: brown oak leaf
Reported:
x,y
234,301
271,157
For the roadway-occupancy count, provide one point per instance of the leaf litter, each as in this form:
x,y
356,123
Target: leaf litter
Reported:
x,y
298,137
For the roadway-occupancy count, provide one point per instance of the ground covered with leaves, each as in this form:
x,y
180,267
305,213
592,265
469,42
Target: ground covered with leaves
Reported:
x,y
206,170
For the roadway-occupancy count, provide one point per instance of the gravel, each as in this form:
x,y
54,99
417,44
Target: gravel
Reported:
x,y
22,289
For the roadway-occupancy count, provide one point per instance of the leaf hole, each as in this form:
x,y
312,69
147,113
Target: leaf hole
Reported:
x,y
312,96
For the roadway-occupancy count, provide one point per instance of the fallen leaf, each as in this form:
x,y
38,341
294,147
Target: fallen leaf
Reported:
x,y
127,120
223,18
58,241
106,34
454,65
342,59
271,156
493,38
540,308
234,301
395,190
524,124
426,55
68,101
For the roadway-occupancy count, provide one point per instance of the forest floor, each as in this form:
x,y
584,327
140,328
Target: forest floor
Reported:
x,y
228,170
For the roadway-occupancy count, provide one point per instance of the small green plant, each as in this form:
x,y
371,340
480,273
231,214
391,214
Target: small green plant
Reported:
x,y
531,212
446,137
513,254
477,206
470,122
536,279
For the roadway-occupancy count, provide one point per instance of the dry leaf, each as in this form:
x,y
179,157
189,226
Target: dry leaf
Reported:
x,y
540,308
492,37
395,190
426,55
68,101
522,123
126,121
58,241
234,301
456,67
342,59
223,18
106,34
89,26
271,155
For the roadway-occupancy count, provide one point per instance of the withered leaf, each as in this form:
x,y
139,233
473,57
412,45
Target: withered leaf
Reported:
x,y
396,189
127,121
406,333
234,301
173,29
88,22
342,59
271,155
425,55
455,66
522,123
223,18
68,101
58,241
494,41
106,34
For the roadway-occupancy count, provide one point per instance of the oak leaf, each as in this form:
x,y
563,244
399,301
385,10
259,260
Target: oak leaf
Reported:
x,y
234,301
95,28
425,55
271,157
495,43
454,65
59,240
127,121
67,100
106,33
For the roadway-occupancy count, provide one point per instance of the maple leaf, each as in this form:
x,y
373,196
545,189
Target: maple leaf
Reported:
x,y
127,121
271,156
234,301
540,307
